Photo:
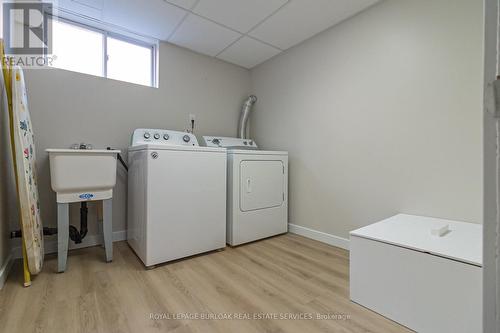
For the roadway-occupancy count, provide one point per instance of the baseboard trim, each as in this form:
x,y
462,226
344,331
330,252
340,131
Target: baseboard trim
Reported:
x,y
51,245
319,236
5,269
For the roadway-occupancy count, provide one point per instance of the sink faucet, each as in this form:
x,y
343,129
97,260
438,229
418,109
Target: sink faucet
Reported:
x,y
82,145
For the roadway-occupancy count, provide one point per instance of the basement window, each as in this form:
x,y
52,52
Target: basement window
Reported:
x,y
80,48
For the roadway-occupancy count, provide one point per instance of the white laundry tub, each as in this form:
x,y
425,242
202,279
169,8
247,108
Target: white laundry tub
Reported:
x,y
432,284
82,175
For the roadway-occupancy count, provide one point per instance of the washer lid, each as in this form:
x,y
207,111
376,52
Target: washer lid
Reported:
x,y
463,242
177,148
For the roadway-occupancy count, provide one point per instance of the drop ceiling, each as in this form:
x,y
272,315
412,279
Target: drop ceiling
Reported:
x,y
242,32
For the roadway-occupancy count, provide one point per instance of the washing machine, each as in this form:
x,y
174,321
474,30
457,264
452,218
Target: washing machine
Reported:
x,y
176,196
257,190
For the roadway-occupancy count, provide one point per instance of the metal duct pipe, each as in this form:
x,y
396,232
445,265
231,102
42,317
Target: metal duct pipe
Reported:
x,y
245,114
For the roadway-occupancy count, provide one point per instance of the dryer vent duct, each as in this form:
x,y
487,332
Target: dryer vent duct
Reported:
x,y
245,114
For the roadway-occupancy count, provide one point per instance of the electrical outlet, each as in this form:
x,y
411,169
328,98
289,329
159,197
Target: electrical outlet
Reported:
x,y
192,117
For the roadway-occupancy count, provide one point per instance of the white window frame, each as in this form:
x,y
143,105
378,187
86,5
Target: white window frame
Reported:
x,y
127,39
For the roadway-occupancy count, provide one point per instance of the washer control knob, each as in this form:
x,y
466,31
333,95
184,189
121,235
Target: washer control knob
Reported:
x,y
245,143
186,138
165,136
156,136
251,143
147,135
216,141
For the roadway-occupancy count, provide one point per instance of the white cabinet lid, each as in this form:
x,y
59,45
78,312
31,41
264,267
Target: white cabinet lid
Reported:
x,y
464,241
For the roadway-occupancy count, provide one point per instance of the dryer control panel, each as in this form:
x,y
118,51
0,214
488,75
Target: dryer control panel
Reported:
x,y
143,136
225,142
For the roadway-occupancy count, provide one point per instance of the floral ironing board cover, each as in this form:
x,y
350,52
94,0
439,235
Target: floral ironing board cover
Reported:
x,y
27,173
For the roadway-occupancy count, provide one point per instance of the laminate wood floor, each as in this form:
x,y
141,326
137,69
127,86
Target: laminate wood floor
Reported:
x,y
279,284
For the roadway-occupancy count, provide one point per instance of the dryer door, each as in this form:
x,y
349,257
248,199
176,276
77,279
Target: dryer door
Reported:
x,y
261,184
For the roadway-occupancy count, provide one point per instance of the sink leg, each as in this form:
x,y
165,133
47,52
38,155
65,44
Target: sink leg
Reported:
x,y
100,223
62,235
107,227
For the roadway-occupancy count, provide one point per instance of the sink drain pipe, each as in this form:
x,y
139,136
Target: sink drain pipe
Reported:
x,y
75,235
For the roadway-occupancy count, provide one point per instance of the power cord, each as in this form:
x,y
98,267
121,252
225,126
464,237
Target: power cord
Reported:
x,y
120,159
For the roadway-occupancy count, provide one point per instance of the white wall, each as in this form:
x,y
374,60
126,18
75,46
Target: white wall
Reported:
x,y
490,236
68,107
381,114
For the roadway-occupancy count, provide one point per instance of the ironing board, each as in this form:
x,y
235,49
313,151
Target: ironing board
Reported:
x,y
25,158
6,106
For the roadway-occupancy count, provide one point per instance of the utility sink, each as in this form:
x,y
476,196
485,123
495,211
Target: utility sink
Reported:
x,y
82,174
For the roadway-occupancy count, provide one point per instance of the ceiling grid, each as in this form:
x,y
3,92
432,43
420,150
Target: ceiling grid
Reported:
x,y
243,32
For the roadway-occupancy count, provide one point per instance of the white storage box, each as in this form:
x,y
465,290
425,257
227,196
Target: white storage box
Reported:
x,y
424,273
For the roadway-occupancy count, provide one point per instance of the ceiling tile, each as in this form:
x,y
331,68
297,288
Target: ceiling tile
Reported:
x,y
97,4
203,36
301,19
81,8
240,15
155,18
248,52
186,4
